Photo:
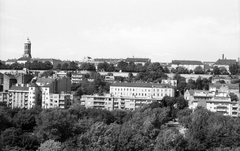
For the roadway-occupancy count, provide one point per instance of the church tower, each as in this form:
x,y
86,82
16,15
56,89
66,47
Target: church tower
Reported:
x,y
27,49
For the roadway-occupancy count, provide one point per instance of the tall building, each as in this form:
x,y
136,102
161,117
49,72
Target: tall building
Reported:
x,y
27,49
27,52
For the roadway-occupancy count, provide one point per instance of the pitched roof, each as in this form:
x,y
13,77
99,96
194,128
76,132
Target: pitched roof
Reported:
x,y
24,59
225,62
187,62
137,60
148,85
11,60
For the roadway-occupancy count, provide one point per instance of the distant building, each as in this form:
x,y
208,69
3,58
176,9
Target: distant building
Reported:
x,y
188,64
109,79
138,60
27,53
224,62
170,82
107,60
54,62
77,77
218,79
228,88
11,61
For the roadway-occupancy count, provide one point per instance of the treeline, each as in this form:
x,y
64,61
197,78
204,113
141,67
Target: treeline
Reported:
x,y
35,65
147,128
85,87
78,128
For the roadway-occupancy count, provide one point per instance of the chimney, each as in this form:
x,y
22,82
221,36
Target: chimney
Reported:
x,y
222,56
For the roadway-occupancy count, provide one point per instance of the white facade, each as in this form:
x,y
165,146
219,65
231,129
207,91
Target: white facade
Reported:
x,y
156,91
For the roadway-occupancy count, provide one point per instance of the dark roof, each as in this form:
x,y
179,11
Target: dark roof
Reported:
x,y
225,62
23,88
11,60
137,60
148,85
107,60
24,59
187,62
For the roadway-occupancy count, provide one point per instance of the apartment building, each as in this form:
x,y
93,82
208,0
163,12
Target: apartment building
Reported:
x,y
55,91
142,90
18,96
214,101
110,102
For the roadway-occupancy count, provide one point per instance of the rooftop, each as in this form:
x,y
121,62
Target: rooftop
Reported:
x,y
187,62
225,62
147,85
137,60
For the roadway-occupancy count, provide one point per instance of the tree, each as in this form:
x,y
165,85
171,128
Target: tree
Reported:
x,y
223,71
234,69
216,70
199,85
122,66
50,145
56,124
48,65
88,67
191,84
73,66
103,66
64,66
198,70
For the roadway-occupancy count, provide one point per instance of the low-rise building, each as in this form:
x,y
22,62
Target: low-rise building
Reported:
x,y
188,64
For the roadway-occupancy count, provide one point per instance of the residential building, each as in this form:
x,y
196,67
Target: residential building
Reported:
x,y
52,88
188,64
18,96
228,88
170,82
214,101
110,102
142,90
77,77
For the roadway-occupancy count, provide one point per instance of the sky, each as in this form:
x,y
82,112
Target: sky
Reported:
x,y
162,30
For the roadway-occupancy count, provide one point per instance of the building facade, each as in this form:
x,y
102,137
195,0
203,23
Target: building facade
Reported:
x,y
142,90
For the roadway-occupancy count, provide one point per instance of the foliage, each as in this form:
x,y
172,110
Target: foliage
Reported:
x,y
50,145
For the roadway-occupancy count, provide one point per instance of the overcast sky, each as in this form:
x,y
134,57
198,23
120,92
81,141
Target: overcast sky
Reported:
x,y
162,30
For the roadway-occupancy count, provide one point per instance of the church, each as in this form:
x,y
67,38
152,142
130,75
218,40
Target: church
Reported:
x,y
27,53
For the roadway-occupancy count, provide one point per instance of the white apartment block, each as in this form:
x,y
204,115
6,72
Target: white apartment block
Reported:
x,y
142,90
110,102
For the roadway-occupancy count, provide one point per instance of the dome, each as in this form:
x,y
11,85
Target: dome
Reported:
x,y
28,41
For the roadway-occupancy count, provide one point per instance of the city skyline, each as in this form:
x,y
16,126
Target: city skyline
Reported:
x,y
162,31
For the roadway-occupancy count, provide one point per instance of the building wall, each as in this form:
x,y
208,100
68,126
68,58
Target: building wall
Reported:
x,y
148,92
18,99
